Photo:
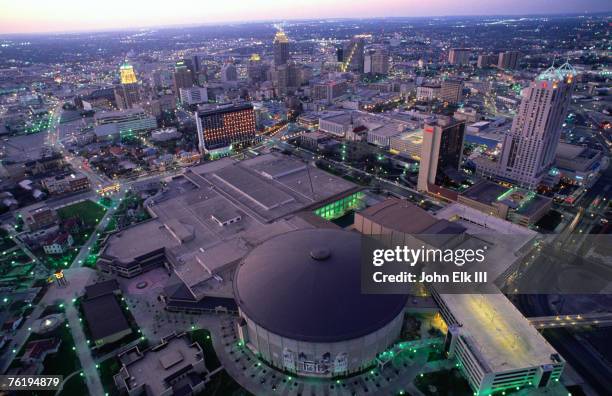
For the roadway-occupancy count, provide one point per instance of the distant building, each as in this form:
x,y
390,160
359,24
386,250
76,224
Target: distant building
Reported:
x,y
175,366
428,92
377,62
328,90
222,127
408,143
487,60
127,94
182,77
508,60
441,152
114,124
459,56
193,95
451,91
353,58
229,73
281,48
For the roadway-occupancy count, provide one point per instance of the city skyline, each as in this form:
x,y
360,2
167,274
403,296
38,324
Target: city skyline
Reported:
x,y
66,16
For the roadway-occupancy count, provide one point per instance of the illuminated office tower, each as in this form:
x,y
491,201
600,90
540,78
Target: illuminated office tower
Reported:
x,y
183,78
127,94
226,127
441,152
281,48
459,56
529,148
353,55
508,59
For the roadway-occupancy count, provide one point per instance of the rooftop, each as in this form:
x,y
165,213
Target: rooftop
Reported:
x,y
318,297
157,366
500,333
104,316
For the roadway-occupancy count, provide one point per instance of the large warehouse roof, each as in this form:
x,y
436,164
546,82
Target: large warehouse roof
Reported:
x,y
306,285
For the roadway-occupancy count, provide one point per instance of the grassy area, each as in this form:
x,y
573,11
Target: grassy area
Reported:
x,y
443,383
89,212
6,242
204,338
222,384
74,386
107,370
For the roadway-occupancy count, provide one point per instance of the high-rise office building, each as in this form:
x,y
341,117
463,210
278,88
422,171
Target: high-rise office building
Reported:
x,y
183,77
529,148
353,55
281,48
127,93
256,69
459,56
288,77
508,59
229,73
451,91
441,152
376,63
223,128
127,74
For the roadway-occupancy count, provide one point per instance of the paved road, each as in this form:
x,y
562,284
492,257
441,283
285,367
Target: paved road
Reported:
x,y
92,377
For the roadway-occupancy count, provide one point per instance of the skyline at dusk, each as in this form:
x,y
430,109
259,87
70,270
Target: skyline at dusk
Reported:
x,y
66,15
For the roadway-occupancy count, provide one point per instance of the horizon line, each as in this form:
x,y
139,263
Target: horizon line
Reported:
x,y
264,21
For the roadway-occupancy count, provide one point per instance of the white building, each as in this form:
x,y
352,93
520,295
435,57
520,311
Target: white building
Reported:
x,y
529,148
193,95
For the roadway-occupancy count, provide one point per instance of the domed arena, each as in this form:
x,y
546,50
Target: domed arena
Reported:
x,y
302,309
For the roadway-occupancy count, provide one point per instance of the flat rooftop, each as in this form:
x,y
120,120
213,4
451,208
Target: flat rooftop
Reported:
x,y
132,242
500,333
265,193
485,192
394,214
161,363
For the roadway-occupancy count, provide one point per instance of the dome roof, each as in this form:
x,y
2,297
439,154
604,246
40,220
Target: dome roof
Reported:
x,y
306,285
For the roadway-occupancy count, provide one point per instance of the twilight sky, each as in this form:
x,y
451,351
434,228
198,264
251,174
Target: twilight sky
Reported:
x,y
32,16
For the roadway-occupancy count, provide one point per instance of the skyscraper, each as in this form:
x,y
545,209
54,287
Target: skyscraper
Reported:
x,y
281,48
376,62
229,73
441,152
487,60
459,56
182,77
353,55
221,128
529,148
127,94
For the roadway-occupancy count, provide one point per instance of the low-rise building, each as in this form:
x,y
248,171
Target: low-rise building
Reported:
x,y
174,366
58,243
66,183
105,319
514,204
